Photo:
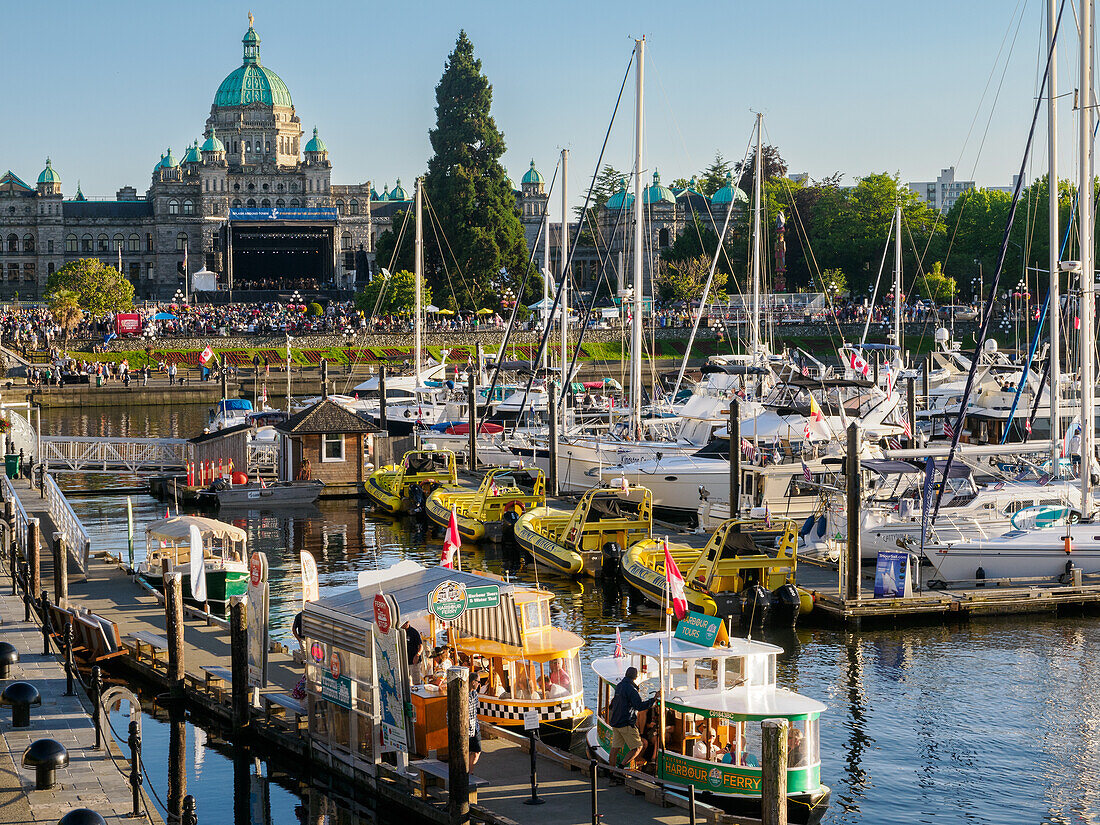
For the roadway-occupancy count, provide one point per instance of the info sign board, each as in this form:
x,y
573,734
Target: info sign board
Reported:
x,y
700,629
892,575
391,671
451,599
335,683
257,606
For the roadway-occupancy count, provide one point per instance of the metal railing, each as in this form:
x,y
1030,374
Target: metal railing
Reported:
x,y
23,435
263,455
21,519
77,542
84,454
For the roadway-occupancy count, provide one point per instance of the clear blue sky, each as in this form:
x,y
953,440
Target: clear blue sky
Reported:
x,y
846,85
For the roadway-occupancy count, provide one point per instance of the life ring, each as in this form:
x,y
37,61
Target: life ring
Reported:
x,y
519,505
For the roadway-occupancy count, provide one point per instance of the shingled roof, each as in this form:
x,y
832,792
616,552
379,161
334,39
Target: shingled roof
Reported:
x,y
326,417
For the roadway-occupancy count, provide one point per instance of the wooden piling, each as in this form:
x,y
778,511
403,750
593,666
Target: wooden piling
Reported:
x,y
458,745
34,563
852,561
471,400
773,779
60,571
238,649
177,764
552,410
173,623
735,457
383,421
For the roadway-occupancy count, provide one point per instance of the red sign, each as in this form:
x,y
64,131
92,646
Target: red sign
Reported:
x,y
382,616
255,569
127,323
335,665
317,652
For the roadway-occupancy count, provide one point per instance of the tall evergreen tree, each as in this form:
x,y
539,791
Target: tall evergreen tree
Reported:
x,y
469,191
713,177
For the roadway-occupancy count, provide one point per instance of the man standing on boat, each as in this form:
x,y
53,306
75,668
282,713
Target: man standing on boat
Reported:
x,y
625,738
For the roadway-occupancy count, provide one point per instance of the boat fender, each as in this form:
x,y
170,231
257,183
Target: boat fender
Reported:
x,y
611,556
1068,545
822,524
979,575
807,526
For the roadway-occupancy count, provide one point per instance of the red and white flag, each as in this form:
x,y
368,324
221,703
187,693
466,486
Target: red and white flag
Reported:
x,y
618,644
452,541
675,582
206,355
859,364
816,428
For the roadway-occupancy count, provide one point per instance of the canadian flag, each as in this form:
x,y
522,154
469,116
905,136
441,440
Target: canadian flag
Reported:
x,y
206,355
451,542
859,364
816,425
675,582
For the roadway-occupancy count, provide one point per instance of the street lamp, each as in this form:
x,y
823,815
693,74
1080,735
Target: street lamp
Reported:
x,y
178,297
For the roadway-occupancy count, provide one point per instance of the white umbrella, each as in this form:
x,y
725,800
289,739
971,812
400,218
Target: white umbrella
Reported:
x,y
431,308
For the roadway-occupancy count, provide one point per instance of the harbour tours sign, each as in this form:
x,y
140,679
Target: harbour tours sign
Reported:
x,y
335,684
705,776
451,599
701,629
391,672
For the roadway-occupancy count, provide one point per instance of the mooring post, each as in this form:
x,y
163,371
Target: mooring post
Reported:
x,y
383,421
177,763
458,744
69,660
773,779
238,648
134,741
34,564
173,622
97,691
189,815
735,457
552,410
44,612
852,562
593,768
471,399
60,571
911,411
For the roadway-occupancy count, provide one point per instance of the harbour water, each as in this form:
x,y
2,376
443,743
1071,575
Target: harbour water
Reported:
x,y
990,722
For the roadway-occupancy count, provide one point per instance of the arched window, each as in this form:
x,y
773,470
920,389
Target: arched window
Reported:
x,y
265,203
13,243
28,243
181,241
173,207
247,146
339,207
70,243
148,241
116,244
236,187
251,187
133,244
662,238
251,203
264,187
101,244
294,203
353,207
49,269
280,187
188,208
85,243
345,241
236,203
280,203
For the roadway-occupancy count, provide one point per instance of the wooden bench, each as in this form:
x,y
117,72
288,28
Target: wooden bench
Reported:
x,y
435,773
158,645
98,637
215,677
279,707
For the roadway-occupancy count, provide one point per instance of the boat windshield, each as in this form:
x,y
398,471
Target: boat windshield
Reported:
x,y
734,742
722,672
534,681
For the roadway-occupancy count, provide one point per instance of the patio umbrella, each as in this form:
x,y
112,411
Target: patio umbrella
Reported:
x,y
431,308
484,311
445,312
164,316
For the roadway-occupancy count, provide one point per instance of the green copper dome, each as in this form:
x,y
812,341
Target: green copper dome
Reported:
x,y
533,175
213,144
399,193
166,161
729,193
192,155
49,175
252,83
315,143
615,202
385,196
658,193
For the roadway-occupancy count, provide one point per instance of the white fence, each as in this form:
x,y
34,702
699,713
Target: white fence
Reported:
x,y
21,519
263,455
83,454
77,543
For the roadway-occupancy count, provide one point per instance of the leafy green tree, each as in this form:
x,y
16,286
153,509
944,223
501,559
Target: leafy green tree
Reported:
x,y
398,295
833,283
713,177
471,200
608,182
98,288
936,285
66,311
684,280
315,309
681,183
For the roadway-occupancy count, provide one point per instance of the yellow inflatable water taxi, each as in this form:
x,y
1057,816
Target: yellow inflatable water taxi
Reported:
x,y
594,534
731,575
505,494
405,487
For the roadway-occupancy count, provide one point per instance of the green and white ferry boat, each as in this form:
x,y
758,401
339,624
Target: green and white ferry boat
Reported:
x,y
715,699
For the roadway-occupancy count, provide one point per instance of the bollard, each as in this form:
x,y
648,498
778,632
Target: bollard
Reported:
x,y
238,650
97,691
134,741
82,816
60,571
173,622
773,778
69,661
45,756
44,607
458,745
534,800
691,805
8,657
189,815
19,696
592,772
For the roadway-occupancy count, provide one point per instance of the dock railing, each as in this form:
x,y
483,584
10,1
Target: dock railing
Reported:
x,y
67,522
21,519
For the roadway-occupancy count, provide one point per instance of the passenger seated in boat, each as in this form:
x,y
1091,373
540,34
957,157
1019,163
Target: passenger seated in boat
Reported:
x,y
483,685
558,675
796,748
747,759
523,690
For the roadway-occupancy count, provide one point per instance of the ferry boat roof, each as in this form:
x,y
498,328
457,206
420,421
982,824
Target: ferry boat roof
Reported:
x,y
757,702
652,644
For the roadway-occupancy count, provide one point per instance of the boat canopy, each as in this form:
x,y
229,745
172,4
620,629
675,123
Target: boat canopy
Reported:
x,y
234,404
177,529
651,644
748,703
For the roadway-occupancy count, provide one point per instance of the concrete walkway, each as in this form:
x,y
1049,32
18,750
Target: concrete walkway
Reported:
x,y
93,778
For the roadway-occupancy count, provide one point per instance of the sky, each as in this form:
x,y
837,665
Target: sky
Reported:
x,y
846,86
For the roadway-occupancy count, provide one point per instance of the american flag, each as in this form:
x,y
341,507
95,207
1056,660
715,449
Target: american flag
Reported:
x,y
747,449
895,444
806,471
905,426
948,429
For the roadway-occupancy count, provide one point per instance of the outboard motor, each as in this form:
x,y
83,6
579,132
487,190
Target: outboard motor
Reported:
x,y
728,604
416,500
508,523
785,604
611,558
755,602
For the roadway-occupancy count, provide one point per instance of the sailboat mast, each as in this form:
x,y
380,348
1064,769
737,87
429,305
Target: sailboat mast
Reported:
x,y
418,269
757,189
1054,302
544,312
1088,283
636,328
897,280
564,282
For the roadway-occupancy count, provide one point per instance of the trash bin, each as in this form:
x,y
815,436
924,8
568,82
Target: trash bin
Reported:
x,y
11,465
99,380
